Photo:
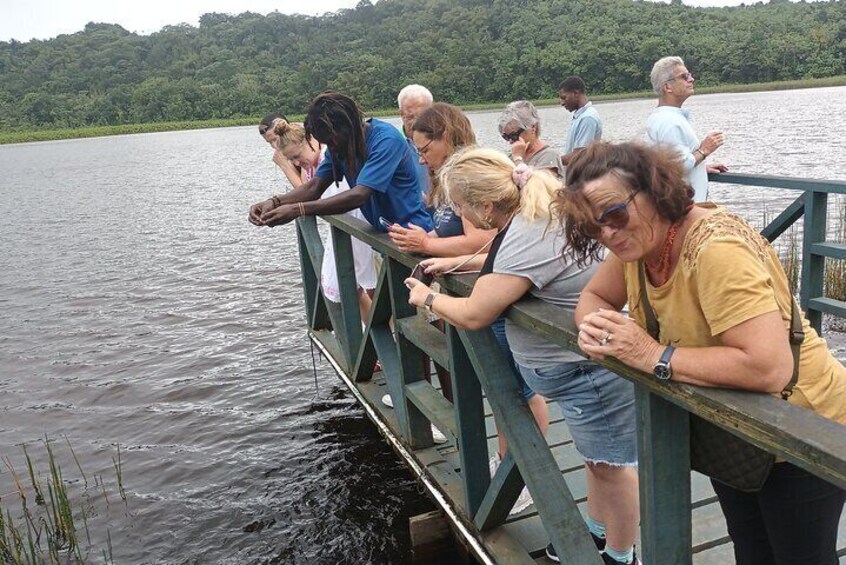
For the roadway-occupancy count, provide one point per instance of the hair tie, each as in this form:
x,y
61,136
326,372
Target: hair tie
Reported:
x,y
521,175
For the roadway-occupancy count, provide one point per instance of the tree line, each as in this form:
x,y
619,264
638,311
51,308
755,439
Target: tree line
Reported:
x,y
465,51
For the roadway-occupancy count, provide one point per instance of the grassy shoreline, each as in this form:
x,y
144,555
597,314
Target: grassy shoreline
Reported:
x,y
100,131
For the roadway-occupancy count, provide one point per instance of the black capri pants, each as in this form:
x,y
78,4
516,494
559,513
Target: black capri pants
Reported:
x,y
793,520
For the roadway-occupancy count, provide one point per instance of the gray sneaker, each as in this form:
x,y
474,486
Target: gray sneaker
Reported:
x,y
524,500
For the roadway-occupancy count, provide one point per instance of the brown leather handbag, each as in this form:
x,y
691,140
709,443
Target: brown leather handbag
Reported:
x,y
715,452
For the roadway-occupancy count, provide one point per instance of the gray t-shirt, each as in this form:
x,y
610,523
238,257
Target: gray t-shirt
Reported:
x,y
532,250
547,158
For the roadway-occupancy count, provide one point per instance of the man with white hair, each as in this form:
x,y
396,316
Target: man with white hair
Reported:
x,y
669,125
413,100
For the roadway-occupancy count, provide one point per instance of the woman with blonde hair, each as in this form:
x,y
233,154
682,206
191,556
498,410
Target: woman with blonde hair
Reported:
x,y
307,154
528,256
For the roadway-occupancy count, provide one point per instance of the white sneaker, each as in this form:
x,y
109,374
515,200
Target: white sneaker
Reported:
x,y
524,500
437,435
388,401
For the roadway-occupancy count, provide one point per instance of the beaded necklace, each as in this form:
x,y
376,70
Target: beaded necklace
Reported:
x,y
661,270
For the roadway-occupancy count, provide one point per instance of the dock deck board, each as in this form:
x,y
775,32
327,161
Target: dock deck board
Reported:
x,y
525,529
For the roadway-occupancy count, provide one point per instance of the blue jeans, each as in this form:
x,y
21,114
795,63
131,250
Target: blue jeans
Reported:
x,y
598,406
498,328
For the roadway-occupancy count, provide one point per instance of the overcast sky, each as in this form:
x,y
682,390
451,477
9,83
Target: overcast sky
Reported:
x,y
42,19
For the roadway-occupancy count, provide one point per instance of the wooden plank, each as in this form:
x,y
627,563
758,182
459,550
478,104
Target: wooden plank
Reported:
x,y
506,548
791,183
828,306
664,459
416,428
430,534
426,337
316,314
433,405
783,221
380,317
554,501
348,287
470,422
813,266
828,249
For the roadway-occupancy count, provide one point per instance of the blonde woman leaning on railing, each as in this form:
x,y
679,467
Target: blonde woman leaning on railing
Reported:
x,y
527,257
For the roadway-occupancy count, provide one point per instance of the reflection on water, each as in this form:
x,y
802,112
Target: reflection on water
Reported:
x,y
140,308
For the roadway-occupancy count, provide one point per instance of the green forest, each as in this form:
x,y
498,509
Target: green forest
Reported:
x,y
465,51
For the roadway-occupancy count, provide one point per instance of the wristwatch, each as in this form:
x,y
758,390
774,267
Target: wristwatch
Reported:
x,y
427,304
662,370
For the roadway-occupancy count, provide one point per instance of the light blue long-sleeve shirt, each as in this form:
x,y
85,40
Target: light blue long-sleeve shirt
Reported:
x,y
670,126
585,128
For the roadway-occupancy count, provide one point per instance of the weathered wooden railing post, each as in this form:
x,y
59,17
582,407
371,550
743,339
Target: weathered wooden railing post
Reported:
x,y
664,474
350,313
311,259
813,264
414,424
470,422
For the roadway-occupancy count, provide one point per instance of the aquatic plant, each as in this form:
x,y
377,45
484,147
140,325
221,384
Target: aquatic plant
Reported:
x,y
42,519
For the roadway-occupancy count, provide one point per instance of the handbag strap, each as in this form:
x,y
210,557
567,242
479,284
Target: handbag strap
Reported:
x,y
796,336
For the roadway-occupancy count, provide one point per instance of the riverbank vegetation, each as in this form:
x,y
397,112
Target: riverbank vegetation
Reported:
x,y
465,51
48,518
25,136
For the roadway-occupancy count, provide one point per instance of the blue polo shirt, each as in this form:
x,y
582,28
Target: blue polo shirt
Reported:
x,y
390,172
585,128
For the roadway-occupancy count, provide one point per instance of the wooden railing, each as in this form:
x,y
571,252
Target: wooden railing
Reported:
x,y
398,338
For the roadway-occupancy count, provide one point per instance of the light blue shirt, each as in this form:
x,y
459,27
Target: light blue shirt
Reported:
x,y
670,126
585,128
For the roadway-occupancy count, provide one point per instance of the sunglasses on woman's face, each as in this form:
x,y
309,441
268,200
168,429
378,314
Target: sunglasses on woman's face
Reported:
x,y
615,217
513,136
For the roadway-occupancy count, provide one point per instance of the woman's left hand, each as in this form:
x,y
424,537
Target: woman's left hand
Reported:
x,y
417,291
410,240
607,333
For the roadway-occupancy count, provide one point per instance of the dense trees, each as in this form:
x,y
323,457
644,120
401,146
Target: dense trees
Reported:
x,y
464,50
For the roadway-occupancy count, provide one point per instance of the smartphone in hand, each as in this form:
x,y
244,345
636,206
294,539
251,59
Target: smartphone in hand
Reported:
x,y
419,273
385,223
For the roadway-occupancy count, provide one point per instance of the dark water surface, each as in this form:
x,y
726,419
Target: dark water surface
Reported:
x,y
140,308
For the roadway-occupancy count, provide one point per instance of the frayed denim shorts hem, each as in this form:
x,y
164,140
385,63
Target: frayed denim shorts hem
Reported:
x,y
598,407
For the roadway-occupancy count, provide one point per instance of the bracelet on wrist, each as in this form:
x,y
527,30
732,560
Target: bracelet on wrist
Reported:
x,y
302,209
517,159
276,201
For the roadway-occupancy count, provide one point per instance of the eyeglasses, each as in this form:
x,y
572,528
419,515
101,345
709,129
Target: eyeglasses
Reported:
x,y
684,76
263,129
615,217
513,136
425,149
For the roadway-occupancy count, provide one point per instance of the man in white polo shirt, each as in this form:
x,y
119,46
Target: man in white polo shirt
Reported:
x,y
669,125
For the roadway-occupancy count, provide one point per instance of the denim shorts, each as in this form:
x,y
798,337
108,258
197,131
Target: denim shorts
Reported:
x,y
598,406
498,328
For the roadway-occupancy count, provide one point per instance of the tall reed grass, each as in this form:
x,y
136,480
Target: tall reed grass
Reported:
x,y
43,520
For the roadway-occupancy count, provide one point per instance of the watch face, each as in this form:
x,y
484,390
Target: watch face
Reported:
x,y
661,372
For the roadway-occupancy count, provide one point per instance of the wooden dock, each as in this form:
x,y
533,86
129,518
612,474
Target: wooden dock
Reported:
x,y
441,468
681,522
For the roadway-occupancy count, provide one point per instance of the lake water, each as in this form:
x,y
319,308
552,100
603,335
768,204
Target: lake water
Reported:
x,y
140,308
